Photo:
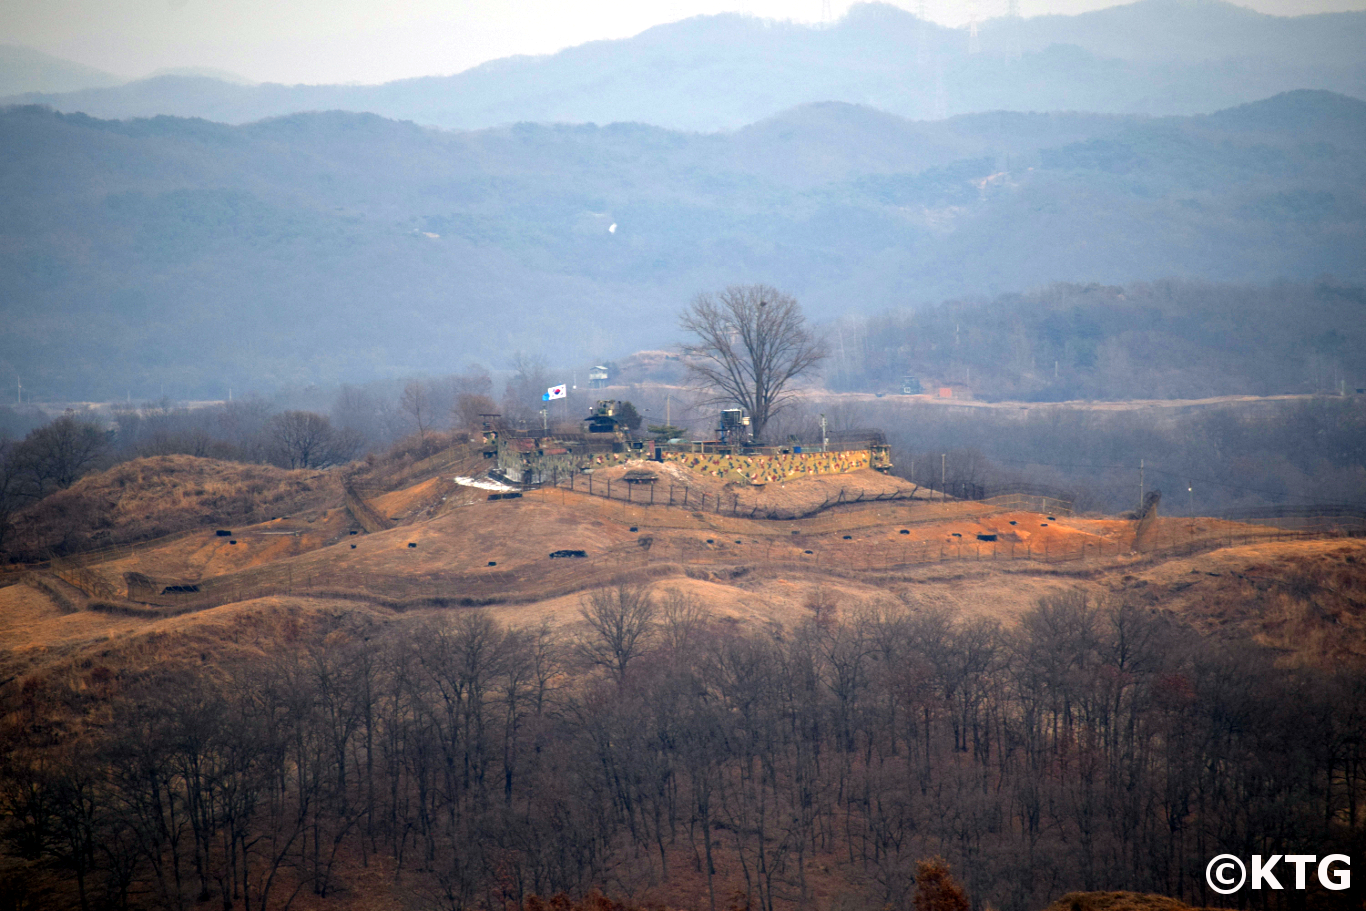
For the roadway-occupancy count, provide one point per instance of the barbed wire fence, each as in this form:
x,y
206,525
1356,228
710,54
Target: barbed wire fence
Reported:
x,y
748,505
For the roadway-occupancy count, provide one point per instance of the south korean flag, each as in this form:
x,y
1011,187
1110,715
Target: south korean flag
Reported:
x,y
555,392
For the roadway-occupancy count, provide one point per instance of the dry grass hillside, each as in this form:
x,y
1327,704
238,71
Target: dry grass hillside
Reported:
x,y
150,497
1116,901
295,547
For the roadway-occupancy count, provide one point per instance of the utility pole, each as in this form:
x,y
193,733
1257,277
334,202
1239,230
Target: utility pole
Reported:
x,y
943,474
1140,485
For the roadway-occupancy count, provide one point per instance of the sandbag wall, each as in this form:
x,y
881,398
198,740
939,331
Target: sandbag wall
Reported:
x,y
767,469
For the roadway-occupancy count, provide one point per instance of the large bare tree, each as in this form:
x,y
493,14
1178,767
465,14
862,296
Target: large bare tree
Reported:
x,y
303,439
57,455
750,342
622,624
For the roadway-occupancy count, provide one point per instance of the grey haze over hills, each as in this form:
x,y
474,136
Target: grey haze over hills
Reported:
x,y
723,72
340,247
25,70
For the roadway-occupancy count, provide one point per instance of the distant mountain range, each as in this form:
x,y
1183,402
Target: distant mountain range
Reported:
x,y
24,70
723,72
323,248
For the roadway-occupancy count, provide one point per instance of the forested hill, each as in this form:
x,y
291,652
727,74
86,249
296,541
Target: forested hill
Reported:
x,y
721,72
1151,340
190,257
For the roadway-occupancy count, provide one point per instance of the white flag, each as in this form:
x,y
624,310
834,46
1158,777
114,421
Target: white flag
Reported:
x,y
555,392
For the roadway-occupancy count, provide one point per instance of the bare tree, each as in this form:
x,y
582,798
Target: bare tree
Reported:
x,y
9,486
469,406
303,439
750,343
57,455
358,411
684,617
417,401
522,394
622,620
243,424
474,381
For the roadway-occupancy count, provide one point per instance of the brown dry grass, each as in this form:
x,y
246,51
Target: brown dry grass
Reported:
x,y
794,495
30,620
206,555
426,500
1303,596
1306,599
150,497
1117,901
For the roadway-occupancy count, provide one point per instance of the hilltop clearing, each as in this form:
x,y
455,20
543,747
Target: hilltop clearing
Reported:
x,y
534,558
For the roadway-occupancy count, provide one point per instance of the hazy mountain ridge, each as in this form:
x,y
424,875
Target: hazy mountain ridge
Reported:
x,y
23,69
299,249
725,71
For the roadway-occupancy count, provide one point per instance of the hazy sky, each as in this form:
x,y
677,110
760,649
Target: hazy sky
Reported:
x,y
364,41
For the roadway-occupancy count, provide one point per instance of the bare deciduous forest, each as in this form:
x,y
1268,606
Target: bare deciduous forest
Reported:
x,y
1093,746
1152,340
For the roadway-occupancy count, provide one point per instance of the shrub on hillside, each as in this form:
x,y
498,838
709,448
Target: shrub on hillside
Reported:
x,y
936,889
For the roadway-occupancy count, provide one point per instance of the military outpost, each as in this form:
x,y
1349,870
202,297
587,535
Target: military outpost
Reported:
x,y
528,460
